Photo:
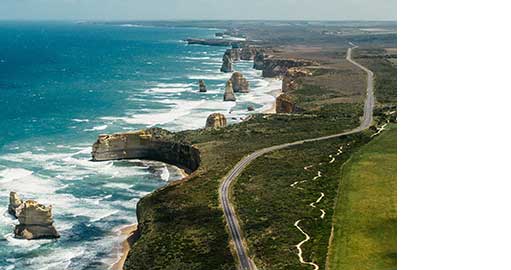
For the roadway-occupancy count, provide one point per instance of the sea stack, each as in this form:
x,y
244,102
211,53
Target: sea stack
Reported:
x,y
229,92
216,120
259,60
227,62
202,86
36,220
239,83
14,203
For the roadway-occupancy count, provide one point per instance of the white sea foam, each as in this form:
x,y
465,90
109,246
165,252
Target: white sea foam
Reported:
x,y
59,258
80,120
123,186
218,77
25,244
102,127
167,90
174,85
196,58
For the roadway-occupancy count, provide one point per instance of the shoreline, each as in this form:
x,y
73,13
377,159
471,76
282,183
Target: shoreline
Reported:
x,y
130,230
127,231
275,93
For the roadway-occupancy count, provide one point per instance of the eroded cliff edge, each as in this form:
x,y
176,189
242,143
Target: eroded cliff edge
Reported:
x,y
153,144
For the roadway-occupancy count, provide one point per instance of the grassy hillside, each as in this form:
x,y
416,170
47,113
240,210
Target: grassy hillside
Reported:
x,y
365,229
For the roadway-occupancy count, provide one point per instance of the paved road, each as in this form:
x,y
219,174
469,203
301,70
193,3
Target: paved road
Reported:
x,y
232,221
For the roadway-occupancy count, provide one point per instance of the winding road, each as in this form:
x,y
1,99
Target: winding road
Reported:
x,y
232,221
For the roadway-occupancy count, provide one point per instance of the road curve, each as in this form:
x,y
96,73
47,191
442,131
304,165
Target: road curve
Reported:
x,y
230,215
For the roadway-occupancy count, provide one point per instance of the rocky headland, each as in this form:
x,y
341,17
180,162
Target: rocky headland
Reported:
x,y
286,104
152,144
259,59
291,78
275,67
35,219
248,53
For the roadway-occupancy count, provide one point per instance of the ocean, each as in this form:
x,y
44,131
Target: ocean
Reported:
x,y
61,85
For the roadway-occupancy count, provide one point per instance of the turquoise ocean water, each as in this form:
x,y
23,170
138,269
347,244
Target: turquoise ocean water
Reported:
x,y
62,84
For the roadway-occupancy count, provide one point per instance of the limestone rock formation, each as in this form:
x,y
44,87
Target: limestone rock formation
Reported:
x,y
250,108
248,53
235,54
216,120
202,86
259,60
35,219
154,144
227,62
290,80
285,104
274,67
239,83
229,92
14,203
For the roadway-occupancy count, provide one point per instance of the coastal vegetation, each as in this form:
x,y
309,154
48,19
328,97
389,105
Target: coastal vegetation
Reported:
x,y
181,225
276,190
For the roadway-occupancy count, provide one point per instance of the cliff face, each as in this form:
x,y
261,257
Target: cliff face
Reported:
x,y
285,104
239,83
248,53
259,60
154,144
229,92
227,62
216,120
235,54
273,67
290,80
14,203
35,220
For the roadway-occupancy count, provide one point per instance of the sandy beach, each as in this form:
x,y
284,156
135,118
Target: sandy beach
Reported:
x,y
276,93
126,245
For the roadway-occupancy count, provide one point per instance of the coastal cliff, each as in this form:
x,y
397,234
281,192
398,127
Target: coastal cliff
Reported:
x,y
153,143
274,67
291,78
259,60
285,104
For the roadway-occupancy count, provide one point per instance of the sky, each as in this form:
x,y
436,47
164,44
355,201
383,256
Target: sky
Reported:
x,y
198,9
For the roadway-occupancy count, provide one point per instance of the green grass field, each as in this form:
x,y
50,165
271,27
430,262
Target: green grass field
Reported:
x,y
365,229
